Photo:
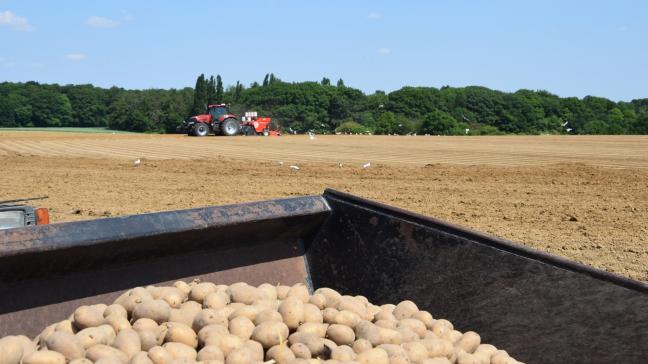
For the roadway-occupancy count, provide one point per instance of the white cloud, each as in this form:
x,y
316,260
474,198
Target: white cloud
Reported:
x,y
9,19
75,57
384,50
375,15
99,22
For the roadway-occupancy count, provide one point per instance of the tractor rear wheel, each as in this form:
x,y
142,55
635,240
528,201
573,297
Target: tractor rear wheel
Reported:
x,y
201,129
230,127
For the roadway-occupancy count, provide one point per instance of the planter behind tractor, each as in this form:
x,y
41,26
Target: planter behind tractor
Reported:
x,y
219,121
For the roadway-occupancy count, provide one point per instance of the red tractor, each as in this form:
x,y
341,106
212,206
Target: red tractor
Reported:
x,y
220,121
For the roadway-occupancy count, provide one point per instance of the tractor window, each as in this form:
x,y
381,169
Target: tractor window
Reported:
x,y
217,111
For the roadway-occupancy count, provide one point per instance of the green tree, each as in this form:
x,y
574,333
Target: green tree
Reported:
x,y
201,95
219,89
266,80
325,82
340,83
439,123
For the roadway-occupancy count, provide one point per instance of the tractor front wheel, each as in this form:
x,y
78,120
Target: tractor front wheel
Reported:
x,y
201,129
230,127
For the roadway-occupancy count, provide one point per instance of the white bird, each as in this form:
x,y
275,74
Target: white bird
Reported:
x,y
340,165
136,162
366,165
565,123
568,129
281,163
311,135
296,168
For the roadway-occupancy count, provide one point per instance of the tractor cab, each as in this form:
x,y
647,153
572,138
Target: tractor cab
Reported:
x,y
217,111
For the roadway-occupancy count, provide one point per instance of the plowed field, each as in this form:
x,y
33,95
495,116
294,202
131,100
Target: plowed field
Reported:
x,y
585,198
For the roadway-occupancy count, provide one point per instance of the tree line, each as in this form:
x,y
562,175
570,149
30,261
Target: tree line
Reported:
x,y
323,107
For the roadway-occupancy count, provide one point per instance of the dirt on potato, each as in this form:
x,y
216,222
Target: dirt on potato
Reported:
x,y
592,213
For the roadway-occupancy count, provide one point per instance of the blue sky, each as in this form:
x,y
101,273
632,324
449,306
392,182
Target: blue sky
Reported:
x,y
571,48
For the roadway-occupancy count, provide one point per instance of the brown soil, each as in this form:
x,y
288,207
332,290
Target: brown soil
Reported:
x,y
594,211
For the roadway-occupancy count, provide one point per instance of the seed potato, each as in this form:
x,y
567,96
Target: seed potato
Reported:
x,y
44,357
270,333
11,350
99,351
340,334
67,344
280,354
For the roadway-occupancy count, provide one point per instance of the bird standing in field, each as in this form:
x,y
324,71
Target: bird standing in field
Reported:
x,y
137,162
296,168
366,165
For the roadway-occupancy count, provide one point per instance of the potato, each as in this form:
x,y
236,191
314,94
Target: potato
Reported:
x,y
84,361
269,291
157,310
468,342
267,315
115,309
315,344
301,351
181,333
87,316
27,344
406,334
216,300
180,350
292,312
315,328
183,286
332,296
11,350
416,351
439,360
245,294
312,313
282,292
501,357
99,351
343,353
66,326
299,291
148,339
67,344
405,309
280,354
201,290
210,352
172,295
385,315
255,348
373,356
361,345
389,336
415,325
211,330
438,347
117,322
328,314
487,349
109,360
159,355
467,358
370,332
225,342
425,317
128,341
347,318
242,327
348,303
145,324
319,300
247,311
91,336
340,334
270,333
239,356
387,324
209,317
44,357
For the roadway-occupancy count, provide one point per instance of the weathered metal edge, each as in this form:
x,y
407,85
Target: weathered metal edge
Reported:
x,y
487,239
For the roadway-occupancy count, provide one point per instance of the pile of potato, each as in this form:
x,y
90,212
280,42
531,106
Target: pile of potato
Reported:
x,y
201,322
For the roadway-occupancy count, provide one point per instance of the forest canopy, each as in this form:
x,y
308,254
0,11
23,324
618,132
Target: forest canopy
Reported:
x,y
323,107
